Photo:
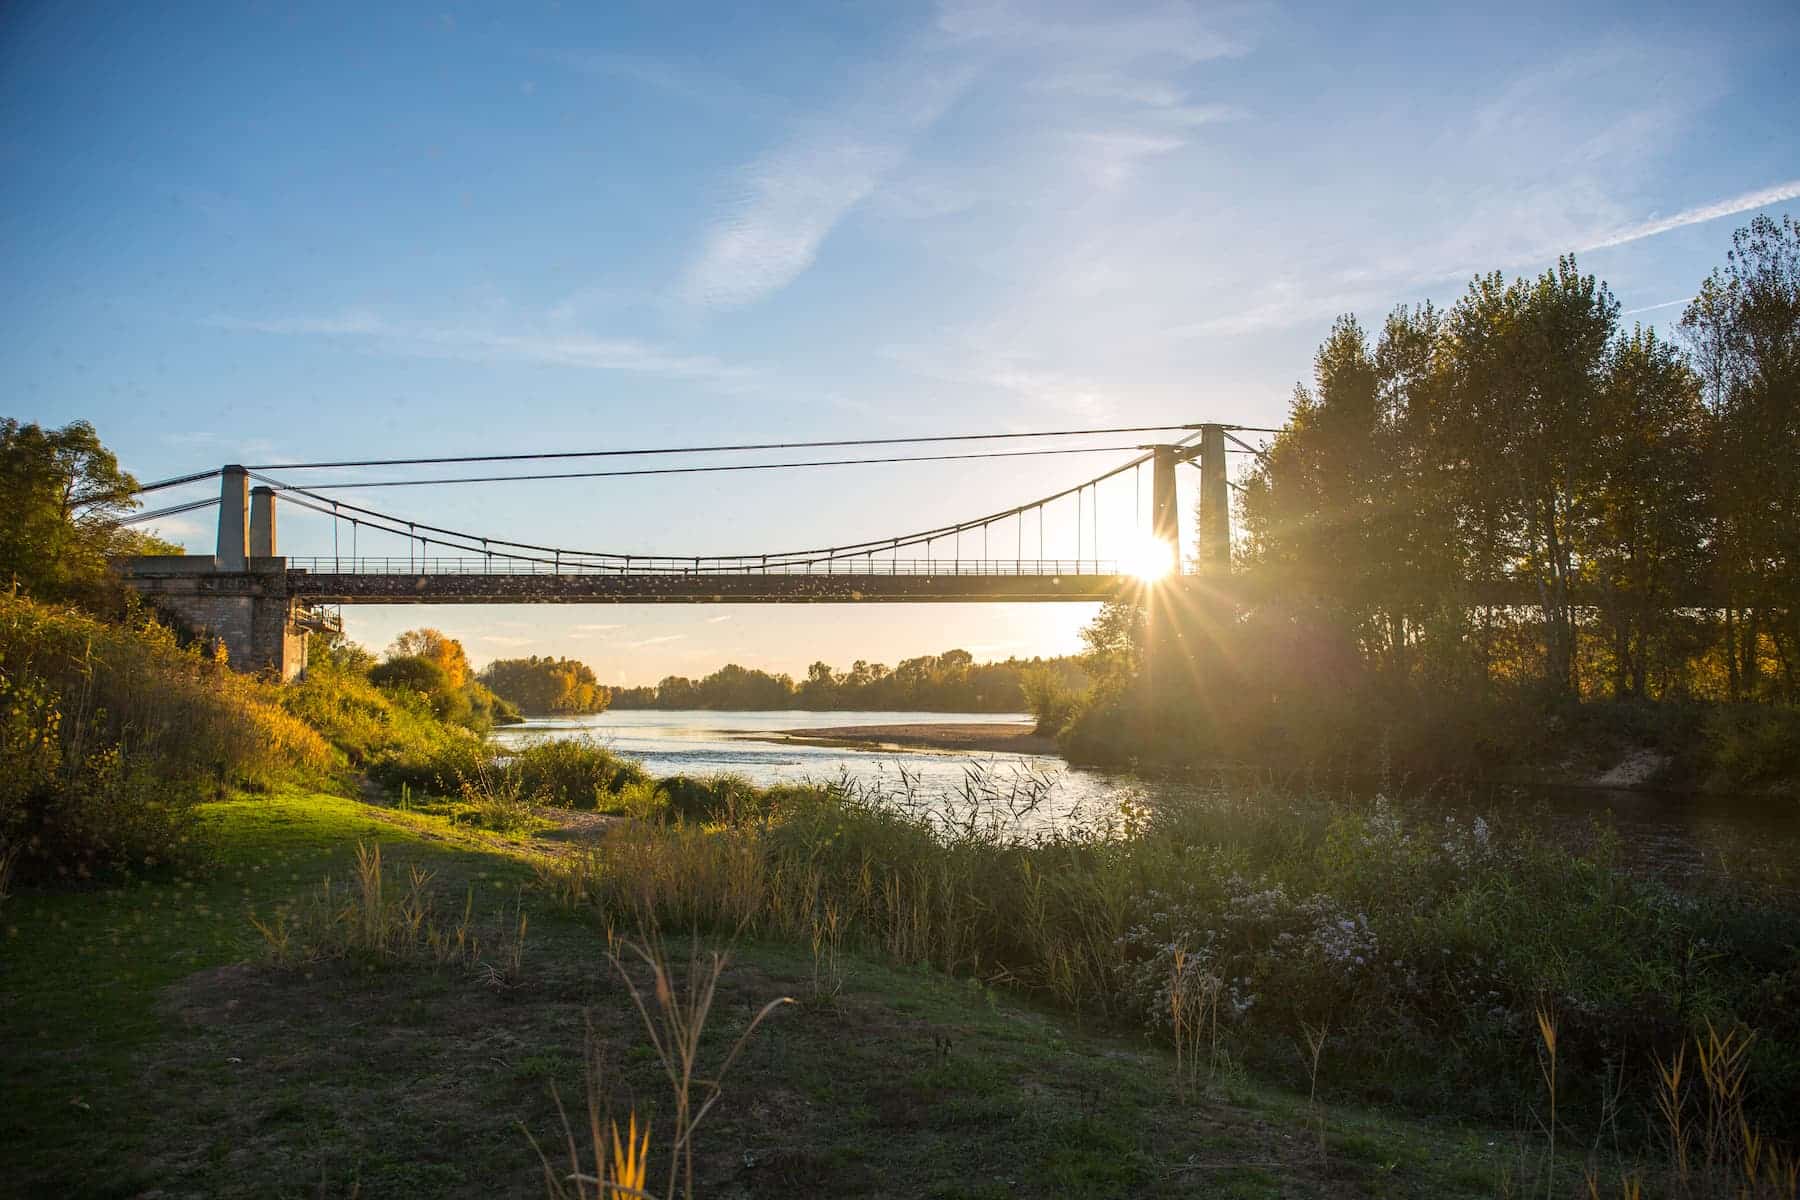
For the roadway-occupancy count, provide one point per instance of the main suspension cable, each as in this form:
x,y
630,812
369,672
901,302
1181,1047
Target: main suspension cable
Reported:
x,y
338,484
720,449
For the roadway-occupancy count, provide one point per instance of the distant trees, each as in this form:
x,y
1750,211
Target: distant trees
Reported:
x,y
546,685
948,682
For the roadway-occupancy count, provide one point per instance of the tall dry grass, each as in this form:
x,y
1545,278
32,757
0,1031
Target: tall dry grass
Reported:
x,y
1227,924
383,916
111,733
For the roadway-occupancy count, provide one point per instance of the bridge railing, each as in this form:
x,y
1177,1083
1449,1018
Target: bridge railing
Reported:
x,y
872,565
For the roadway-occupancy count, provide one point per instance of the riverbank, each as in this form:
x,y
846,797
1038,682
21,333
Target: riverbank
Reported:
x,y
998,737
348,1076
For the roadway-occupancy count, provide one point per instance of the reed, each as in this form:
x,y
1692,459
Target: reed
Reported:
x,y
674,1017
386,917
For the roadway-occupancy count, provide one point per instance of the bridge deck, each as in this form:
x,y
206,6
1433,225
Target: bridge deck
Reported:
x,y
699,588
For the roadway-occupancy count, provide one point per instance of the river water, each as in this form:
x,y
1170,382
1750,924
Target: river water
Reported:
x,y
1679,833
705,742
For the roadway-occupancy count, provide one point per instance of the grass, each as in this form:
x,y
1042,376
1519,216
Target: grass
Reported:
x,y
354,1075
1231,926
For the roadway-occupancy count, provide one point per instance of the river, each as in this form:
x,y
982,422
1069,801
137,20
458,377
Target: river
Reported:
x,y
705,742
1678,833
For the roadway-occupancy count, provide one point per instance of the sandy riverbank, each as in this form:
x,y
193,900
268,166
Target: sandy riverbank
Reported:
x,y
996,737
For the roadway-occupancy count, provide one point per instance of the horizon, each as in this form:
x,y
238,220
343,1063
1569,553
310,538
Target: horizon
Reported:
x,y
304,235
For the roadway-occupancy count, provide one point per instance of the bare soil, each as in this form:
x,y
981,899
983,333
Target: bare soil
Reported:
x,y
995,737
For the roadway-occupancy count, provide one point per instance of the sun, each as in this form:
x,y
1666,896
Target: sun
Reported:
x,y
1148,558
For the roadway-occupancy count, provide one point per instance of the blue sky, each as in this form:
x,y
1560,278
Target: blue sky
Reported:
x,y
268,232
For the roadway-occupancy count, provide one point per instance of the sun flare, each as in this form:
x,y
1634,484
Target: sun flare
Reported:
x,y
1149,559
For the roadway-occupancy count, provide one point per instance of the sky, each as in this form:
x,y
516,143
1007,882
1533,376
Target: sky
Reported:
x,y
269,233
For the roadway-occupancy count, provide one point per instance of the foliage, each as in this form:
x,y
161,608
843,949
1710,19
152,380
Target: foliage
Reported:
x,y
392,734
573,772
1754,746
425,665
546,685
110,734
1426,947
948,682
1502,509
63,494
1048,699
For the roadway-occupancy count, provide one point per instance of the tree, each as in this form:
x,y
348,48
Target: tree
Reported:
x,y
1527,363
435,645
546,685
63,494
1115,639
1646,541
1744,330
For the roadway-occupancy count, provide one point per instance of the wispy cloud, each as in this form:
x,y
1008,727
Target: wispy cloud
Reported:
x,y
506,640
657,641
1632,312
1112,158
1291,300
719,620
783,206
478,344
595,628
1698,215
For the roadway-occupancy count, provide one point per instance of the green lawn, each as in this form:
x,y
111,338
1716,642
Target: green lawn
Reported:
x,y
149,1050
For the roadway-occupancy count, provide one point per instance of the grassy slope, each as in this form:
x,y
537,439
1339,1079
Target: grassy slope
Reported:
x,y
144,1050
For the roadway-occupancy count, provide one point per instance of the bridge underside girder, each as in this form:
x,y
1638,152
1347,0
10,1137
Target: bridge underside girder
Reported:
x,y
316,588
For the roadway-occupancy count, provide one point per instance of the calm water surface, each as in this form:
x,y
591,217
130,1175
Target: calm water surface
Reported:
x,y
703,742
1680,833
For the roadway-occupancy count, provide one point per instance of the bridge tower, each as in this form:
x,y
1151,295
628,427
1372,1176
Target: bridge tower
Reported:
x,y
1177,616
239,594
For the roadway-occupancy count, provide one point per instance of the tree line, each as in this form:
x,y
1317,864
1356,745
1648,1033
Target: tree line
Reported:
x,y
948,682
1640,496
545,686
1517,500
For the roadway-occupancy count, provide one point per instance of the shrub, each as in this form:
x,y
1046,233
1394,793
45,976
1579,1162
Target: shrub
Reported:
x,y
1754,746
1427,946
574,772
1049,699
110,734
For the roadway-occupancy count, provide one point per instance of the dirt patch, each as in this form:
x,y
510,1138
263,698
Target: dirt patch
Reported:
x,y
995,737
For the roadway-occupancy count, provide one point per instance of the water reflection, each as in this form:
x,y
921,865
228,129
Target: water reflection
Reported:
x,y
1677,834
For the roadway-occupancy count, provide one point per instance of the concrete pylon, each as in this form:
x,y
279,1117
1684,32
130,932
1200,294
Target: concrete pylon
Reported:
x,y
1165,508
262,523
234,522
1215,503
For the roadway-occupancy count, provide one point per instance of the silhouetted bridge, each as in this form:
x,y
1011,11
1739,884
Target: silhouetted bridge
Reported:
x,y
260,604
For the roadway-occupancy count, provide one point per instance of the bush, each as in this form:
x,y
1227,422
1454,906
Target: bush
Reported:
x,y
110,734
1426,946
392,735
1754,746
1049,699
574,772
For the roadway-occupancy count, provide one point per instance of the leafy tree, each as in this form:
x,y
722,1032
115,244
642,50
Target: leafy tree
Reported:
x,y
433,644
546,685
1115,639
63,493
1744,330
1646,541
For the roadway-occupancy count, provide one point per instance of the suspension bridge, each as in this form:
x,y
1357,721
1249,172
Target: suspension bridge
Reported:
x,y
260,604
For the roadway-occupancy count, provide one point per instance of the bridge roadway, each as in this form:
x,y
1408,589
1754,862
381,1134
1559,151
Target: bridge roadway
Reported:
x,y
318,587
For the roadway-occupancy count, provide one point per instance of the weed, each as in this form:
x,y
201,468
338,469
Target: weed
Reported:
x,y
674,1018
